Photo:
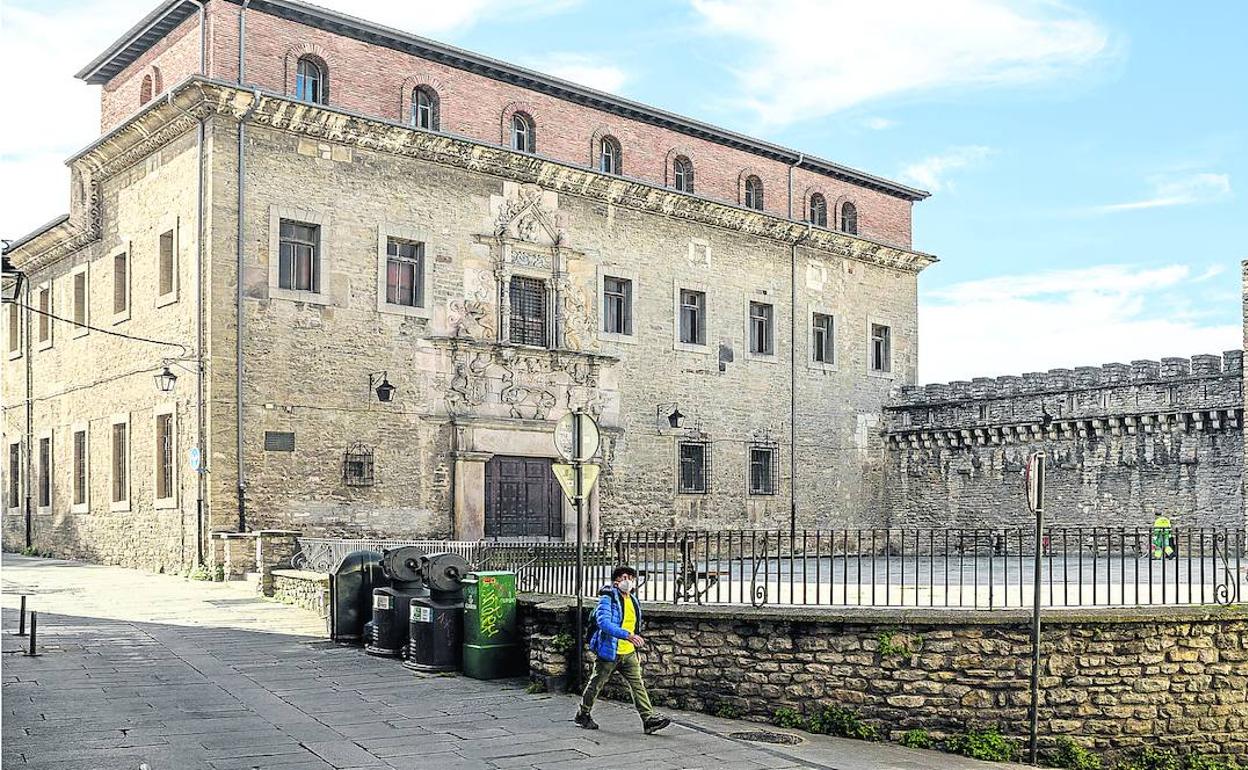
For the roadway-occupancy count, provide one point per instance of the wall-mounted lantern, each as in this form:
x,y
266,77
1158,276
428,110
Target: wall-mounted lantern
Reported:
x,y
165,380
10,282
670,412
379,384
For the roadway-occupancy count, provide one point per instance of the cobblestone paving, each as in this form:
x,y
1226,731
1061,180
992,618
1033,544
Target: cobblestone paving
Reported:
x,y
148,672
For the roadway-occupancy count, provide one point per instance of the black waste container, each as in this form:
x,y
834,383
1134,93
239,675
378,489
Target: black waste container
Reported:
x,y
387,633
437,620
351,593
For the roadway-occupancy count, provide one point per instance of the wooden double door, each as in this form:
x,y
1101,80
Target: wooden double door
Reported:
x,y
522,499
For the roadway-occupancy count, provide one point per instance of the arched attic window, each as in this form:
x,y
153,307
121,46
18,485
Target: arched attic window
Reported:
x,y
145,90
753,198
682,174
311,81
610,159
425,108
523,136
817,214
849,218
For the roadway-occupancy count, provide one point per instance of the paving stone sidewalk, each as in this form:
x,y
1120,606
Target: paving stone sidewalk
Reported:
x,y
154,672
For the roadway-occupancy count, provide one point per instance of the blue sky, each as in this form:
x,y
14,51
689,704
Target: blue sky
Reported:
x,y
1085,159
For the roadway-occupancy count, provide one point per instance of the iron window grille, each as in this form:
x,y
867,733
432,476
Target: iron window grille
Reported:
x,y
823,339
164,456
425,108
881,348
682,172
528,311
357,466
299,263
695,468
818,210
617,295
692,317
405,272
310,81
763,467
762,333
849,218
754,193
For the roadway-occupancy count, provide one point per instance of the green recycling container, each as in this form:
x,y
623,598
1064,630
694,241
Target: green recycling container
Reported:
x,y
492,648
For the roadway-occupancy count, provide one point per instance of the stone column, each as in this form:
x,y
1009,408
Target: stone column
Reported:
x,y
470,495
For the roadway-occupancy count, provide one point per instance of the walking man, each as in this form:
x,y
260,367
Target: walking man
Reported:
x,y
615,641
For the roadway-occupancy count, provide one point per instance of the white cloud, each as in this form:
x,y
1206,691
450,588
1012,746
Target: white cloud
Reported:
x,y
1081,317
1177,191
879,124
814,57
436,17
931,172
583,69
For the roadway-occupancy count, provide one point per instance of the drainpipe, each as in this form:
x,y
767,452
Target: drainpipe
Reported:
x,y
793,360
203,37
238,296
30,428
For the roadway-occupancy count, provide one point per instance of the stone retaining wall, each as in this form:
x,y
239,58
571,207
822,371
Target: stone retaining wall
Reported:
x,y
309,590
1113,680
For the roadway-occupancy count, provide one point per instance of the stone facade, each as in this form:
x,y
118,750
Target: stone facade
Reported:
x,y
1112,680
484,215
1125,444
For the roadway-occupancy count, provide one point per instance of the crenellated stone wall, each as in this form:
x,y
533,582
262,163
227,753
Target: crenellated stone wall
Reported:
x,y
1125,443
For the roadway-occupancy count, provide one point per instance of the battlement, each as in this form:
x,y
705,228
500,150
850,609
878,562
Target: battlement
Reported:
x,y
1168,370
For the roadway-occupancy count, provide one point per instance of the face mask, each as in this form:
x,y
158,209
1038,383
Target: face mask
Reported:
x,y
627,585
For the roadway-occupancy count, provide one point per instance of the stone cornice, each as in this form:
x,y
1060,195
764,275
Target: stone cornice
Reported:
x,y
199,98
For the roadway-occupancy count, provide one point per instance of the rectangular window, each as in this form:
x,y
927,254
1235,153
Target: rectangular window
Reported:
x,y
299,264
762,470
405,272
44,303
881,348
121,462
121,283
44,493
80,301
823,339
695,467
168,265
14,496
164,456
617,298
762,332
692,317
528,311
80,467
15,329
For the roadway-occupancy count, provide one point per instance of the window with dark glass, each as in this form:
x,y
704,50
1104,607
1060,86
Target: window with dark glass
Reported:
x,y
609,156
45,472
692,317
405,272
164,456
299,264
818,210
522,137
168,264
80,467
80,300
528,311
695,467
425,108
310,81
823,339
682,174
754,193
881,348
15,475
762,470
121,461
849,218
121,282
617,298
762,332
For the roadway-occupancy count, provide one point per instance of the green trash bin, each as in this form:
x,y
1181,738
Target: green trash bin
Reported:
x,y
492,648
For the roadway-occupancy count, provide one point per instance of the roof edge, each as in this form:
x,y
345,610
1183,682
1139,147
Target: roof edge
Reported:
x,y
33,234
129,38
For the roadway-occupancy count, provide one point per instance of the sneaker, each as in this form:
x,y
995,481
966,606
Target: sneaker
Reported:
x,y
654,724
585,720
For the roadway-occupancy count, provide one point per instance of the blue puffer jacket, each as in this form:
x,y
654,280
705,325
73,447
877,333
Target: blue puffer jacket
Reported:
x,y
608,616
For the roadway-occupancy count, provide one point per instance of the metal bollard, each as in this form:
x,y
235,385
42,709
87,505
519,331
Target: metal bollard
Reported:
x,y
21,618
34,625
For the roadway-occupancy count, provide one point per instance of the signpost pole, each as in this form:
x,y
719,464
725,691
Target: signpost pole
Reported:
x,y
578,501
1035,499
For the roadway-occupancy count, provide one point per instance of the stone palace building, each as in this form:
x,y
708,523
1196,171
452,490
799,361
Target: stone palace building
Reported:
x,y
322,275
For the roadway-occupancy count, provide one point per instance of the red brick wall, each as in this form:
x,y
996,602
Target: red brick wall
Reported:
x,y
170,61
374,80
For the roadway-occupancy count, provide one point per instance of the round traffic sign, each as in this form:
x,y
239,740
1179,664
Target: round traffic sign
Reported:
x,y
564,437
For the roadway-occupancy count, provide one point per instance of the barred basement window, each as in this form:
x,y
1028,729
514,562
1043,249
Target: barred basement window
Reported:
x,y
763,469
357,466
528,311
695,468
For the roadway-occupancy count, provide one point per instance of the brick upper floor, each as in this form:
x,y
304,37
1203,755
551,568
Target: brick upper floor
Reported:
x,y
380,72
